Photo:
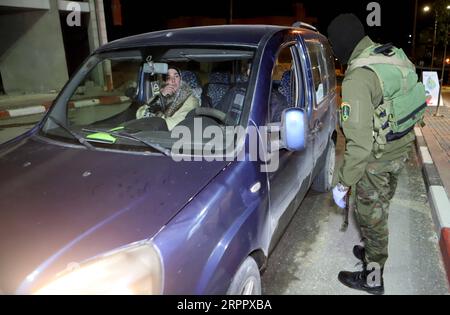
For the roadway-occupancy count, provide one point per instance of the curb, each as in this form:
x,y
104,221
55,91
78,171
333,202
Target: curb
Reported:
x,y
437,197
39,109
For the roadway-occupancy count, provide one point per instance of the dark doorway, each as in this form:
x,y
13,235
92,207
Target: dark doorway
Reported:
x,y
76,41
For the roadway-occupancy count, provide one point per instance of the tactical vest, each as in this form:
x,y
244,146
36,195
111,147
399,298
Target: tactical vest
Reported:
x,y
404,100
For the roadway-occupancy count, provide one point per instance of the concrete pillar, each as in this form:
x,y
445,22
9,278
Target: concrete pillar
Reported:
x,y
103,37
94,41
32,56
101,22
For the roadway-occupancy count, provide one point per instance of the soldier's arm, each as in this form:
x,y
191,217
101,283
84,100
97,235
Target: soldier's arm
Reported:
x,y
359,90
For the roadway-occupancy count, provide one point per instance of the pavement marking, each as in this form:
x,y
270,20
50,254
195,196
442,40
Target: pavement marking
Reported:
x,y
27,111
418,132
442,206
85,103
426,156
33,110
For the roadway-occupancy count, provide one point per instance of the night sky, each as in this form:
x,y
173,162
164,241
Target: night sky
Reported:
x,y
397,17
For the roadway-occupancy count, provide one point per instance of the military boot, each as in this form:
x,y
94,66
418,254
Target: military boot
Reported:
x,y
358,281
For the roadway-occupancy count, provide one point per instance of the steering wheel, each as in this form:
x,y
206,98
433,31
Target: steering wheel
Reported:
x,y
212,113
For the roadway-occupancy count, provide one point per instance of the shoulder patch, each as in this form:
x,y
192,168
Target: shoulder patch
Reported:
x,y
345,111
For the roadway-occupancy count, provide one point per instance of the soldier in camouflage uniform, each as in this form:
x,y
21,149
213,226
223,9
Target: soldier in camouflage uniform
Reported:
x,y
371,179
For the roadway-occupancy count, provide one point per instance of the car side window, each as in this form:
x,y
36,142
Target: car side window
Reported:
x,y
319,70
284,87
331,68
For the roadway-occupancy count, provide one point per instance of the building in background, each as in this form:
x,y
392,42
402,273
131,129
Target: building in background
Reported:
x,y
299,14
39,50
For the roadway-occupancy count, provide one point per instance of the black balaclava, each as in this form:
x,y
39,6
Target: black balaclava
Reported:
x,y
344,33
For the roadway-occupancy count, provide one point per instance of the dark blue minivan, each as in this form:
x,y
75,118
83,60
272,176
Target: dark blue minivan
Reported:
x,y
111,194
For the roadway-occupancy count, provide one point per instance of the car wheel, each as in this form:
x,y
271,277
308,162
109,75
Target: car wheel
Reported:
x,y
247,279
324,180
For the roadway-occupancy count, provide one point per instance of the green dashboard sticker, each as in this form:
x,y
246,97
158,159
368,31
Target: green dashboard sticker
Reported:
x,y
117,129
102,136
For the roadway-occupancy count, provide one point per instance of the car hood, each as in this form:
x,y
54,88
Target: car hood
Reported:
x,y
60,205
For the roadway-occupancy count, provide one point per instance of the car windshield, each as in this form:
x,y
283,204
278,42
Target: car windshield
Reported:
x,y
129,100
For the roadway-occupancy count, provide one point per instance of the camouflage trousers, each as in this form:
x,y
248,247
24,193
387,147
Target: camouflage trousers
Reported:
x,y
373,195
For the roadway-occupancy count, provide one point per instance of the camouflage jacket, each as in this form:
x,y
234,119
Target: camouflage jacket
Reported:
x,y
361,94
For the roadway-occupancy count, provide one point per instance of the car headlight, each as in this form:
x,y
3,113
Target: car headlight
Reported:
x,y
135,269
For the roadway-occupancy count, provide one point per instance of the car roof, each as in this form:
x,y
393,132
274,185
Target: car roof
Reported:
x,y
233,35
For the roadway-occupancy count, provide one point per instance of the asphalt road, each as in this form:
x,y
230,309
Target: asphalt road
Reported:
x,y
313,250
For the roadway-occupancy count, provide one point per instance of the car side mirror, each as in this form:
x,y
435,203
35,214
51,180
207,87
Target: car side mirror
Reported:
x,y
293,129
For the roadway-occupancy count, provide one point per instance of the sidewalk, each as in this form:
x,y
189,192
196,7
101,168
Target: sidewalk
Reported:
x,y
433,146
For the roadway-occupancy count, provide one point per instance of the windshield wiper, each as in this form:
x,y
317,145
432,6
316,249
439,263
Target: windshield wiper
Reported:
x,y
126,135
79,138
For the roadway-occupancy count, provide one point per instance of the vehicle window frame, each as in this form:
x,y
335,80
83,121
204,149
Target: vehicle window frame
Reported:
x,y
296,66
304,64
300,77
324,76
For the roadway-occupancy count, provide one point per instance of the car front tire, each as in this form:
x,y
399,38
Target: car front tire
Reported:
x,y
247,279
